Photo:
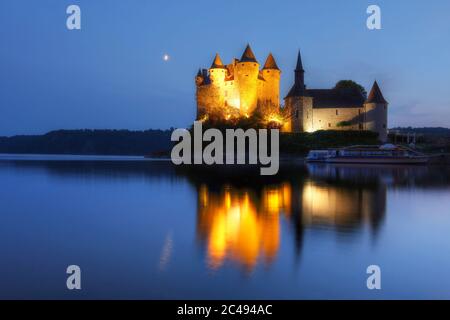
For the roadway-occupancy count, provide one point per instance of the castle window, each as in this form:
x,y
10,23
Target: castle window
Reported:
x,y
329,125
360,126
296,113
359,111
337,112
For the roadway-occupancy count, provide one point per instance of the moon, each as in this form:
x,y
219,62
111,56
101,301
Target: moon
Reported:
x,y
166,57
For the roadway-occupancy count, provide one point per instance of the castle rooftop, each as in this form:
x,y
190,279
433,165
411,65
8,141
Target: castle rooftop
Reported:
x,y
248,55
375,95
270,63
217,63
298,89
334,98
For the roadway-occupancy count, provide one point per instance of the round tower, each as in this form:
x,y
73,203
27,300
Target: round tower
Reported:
x,y
247,72
217,74
298,104
375,115
272,74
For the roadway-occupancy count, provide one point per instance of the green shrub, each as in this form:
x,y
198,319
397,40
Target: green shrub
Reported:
x,y
301,143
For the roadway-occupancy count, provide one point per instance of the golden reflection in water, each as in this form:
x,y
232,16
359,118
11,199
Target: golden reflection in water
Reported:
x,y
339,206
240,225
243,224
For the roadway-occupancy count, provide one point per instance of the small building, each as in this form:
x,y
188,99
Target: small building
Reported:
x,y
333,109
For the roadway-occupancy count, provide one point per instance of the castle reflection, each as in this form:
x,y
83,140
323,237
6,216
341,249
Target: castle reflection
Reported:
x,y
242,223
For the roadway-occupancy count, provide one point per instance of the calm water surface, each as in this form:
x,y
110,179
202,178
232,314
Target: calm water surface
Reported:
x,y
143,229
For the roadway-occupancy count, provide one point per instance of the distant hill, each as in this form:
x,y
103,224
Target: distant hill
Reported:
x,y
157,142
432,131
90,142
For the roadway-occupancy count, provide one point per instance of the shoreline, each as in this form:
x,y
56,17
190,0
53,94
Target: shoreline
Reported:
x,y
74,157
439,159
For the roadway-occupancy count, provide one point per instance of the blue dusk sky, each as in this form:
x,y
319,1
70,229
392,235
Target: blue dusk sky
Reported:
x,y
111,73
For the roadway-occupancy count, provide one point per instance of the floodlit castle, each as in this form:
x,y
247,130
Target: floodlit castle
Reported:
x,y
241,88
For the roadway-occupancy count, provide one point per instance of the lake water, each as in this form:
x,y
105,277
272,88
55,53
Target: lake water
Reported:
x,y
147,229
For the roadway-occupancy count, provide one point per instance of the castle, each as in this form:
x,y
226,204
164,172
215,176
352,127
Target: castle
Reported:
x,y
240,88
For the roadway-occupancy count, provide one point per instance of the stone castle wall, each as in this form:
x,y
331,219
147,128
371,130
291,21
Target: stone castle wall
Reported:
x,y
331,118
246,74
376,119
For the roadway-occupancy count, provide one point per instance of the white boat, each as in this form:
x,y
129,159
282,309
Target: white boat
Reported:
x,y
384,154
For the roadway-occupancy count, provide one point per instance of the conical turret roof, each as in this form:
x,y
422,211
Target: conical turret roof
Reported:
x,y
299,66
270,63
298,89
375,95
217,63
248,55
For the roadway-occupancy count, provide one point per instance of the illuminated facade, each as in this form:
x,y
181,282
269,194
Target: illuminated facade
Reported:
x,y
241,87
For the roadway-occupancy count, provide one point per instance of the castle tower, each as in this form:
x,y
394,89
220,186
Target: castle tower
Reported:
x,y
199,78
299,82
271,74
217,73
298,105
375,115
247,72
